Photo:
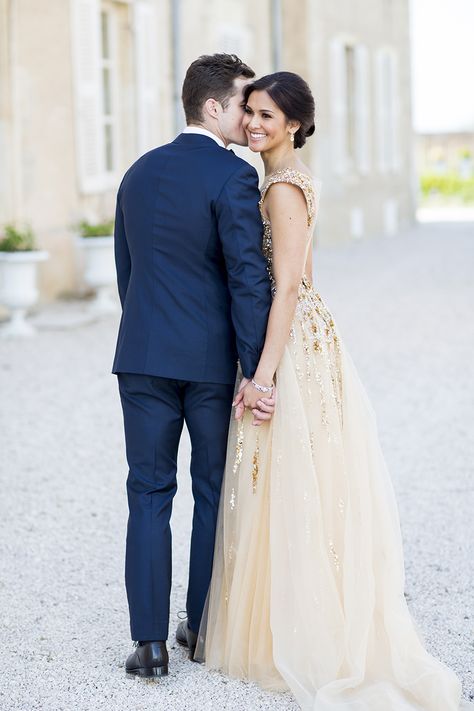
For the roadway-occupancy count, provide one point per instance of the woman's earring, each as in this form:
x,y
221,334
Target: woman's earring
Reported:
x,y
292,137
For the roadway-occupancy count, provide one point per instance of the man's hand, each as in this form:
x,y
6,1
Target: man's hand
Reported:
x,y
248,397
239,399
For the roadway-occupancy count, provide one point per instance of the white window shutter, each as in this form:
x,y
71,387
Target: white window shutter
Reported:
x,y
395,162
85,18
232,39
338,105
146,74
387,110
362,109
5,176
381,111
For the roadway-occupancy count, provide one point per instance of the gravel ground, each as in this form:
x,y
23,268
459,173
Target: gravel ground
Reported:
x,y
404,306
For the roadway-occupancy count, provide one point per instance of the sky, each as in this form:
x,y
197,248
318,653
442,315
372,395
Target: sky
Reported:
x,y
443,65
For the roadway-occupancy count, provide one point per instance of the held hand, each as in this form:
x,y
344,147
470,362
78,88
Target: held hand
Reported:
x,y
251,396
239,399
264,410
264,406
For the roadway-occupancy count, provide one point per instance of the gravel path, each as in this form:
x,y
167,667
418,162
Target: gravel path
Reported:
x,y
404,307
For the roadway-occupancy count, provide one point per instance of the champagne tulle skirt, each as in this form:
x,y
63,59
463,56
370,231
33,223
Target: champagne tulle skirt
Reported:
x,y
307,590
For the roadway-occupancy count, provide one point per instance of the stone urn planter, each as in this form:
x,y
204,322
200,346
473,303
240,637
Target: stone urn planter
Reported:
x,y
18,276
97,245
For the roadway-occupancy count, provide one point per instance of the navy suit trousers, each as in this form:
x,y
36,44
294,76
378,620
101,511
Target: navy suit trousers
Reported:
x,y
154,410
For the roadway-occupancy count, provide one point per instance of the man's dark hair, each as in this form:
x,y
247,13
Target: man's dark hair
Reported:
x,y
293,96
211,76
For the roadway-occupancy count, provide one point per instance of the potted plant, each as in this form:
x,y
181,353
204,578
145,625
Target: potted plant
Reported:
x,y
96,242
18,271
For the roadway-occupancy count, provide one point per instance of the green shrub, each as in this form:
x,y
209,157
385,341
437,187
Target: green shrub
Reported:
x,y
15,240
450,186
100,229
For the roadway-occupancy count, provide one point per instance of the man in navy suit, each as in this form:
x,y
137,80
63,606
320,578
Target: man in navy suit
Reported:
x,y
195,297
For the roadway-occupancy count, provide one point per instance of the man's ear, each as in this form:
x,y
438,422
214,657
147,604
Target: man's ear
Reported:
x,y
211,108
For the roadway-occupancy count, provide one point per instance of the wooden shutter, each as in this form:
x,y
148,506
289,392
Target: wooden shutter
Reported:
x,y
146,74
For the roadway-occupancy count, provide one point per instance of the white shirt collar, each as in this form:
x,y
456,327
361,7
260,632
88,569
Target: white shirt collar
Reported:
x,y
204,132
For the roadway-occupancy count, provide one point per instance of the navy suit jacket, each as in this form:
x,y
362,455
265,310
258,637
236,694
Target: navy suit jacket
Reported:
x,y
191,275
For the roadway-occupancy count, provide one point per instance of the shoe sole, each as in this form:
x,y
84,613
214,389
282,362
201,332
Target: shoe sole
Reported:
x,y
148,673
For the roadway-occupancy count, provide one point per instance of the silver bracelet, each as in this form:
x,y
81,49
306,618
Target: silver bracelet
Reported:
x,y
262,388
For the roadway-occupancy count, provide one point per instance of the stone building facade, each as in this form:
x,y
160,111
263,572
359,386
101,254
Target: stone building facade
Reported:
x,y
86,86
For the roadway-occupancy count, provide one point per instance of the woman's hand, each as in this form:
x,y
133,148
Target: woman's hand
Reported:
x,y
249,397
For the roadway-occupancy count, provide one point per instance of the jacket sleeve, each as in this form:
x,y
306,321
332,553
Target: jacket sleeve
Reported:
x,y
122,254
240,231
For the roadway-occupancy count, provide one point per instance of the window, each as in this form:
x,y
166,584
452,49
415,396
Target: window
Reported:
x,y
350,108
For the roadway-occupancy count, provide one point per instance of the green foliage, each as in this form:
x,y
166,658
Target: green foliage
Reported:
x,y
15,240
100,229
450,187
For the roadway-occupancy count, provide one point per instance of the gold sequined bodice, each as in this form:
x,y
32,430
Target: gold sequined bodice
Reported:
x,y
312,318
301,180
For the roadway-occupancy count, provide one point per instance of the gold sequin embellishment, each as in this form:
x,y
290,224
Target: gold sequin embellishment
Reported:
x,y
239,447
255,463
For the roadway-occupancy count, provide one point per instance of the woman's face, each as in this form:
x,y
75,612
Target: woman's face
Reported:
x,y
265,124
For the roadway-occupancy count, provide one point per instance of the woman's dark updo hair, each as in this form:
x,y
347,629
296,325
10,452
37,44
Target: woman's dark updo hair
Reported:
x,y
293,96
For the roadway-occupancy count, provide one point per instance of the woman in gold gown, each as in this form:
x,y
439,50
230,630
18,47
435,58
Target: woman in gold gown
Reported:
x,y
307,590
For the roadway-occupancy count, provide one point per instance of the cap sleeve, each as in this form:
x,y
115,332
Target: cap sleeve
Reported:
x,y
294,177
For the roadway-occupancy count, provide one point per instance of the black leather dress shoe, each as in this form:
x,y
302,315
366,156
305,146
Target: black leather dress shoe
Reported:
x,y
186,637
148,659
